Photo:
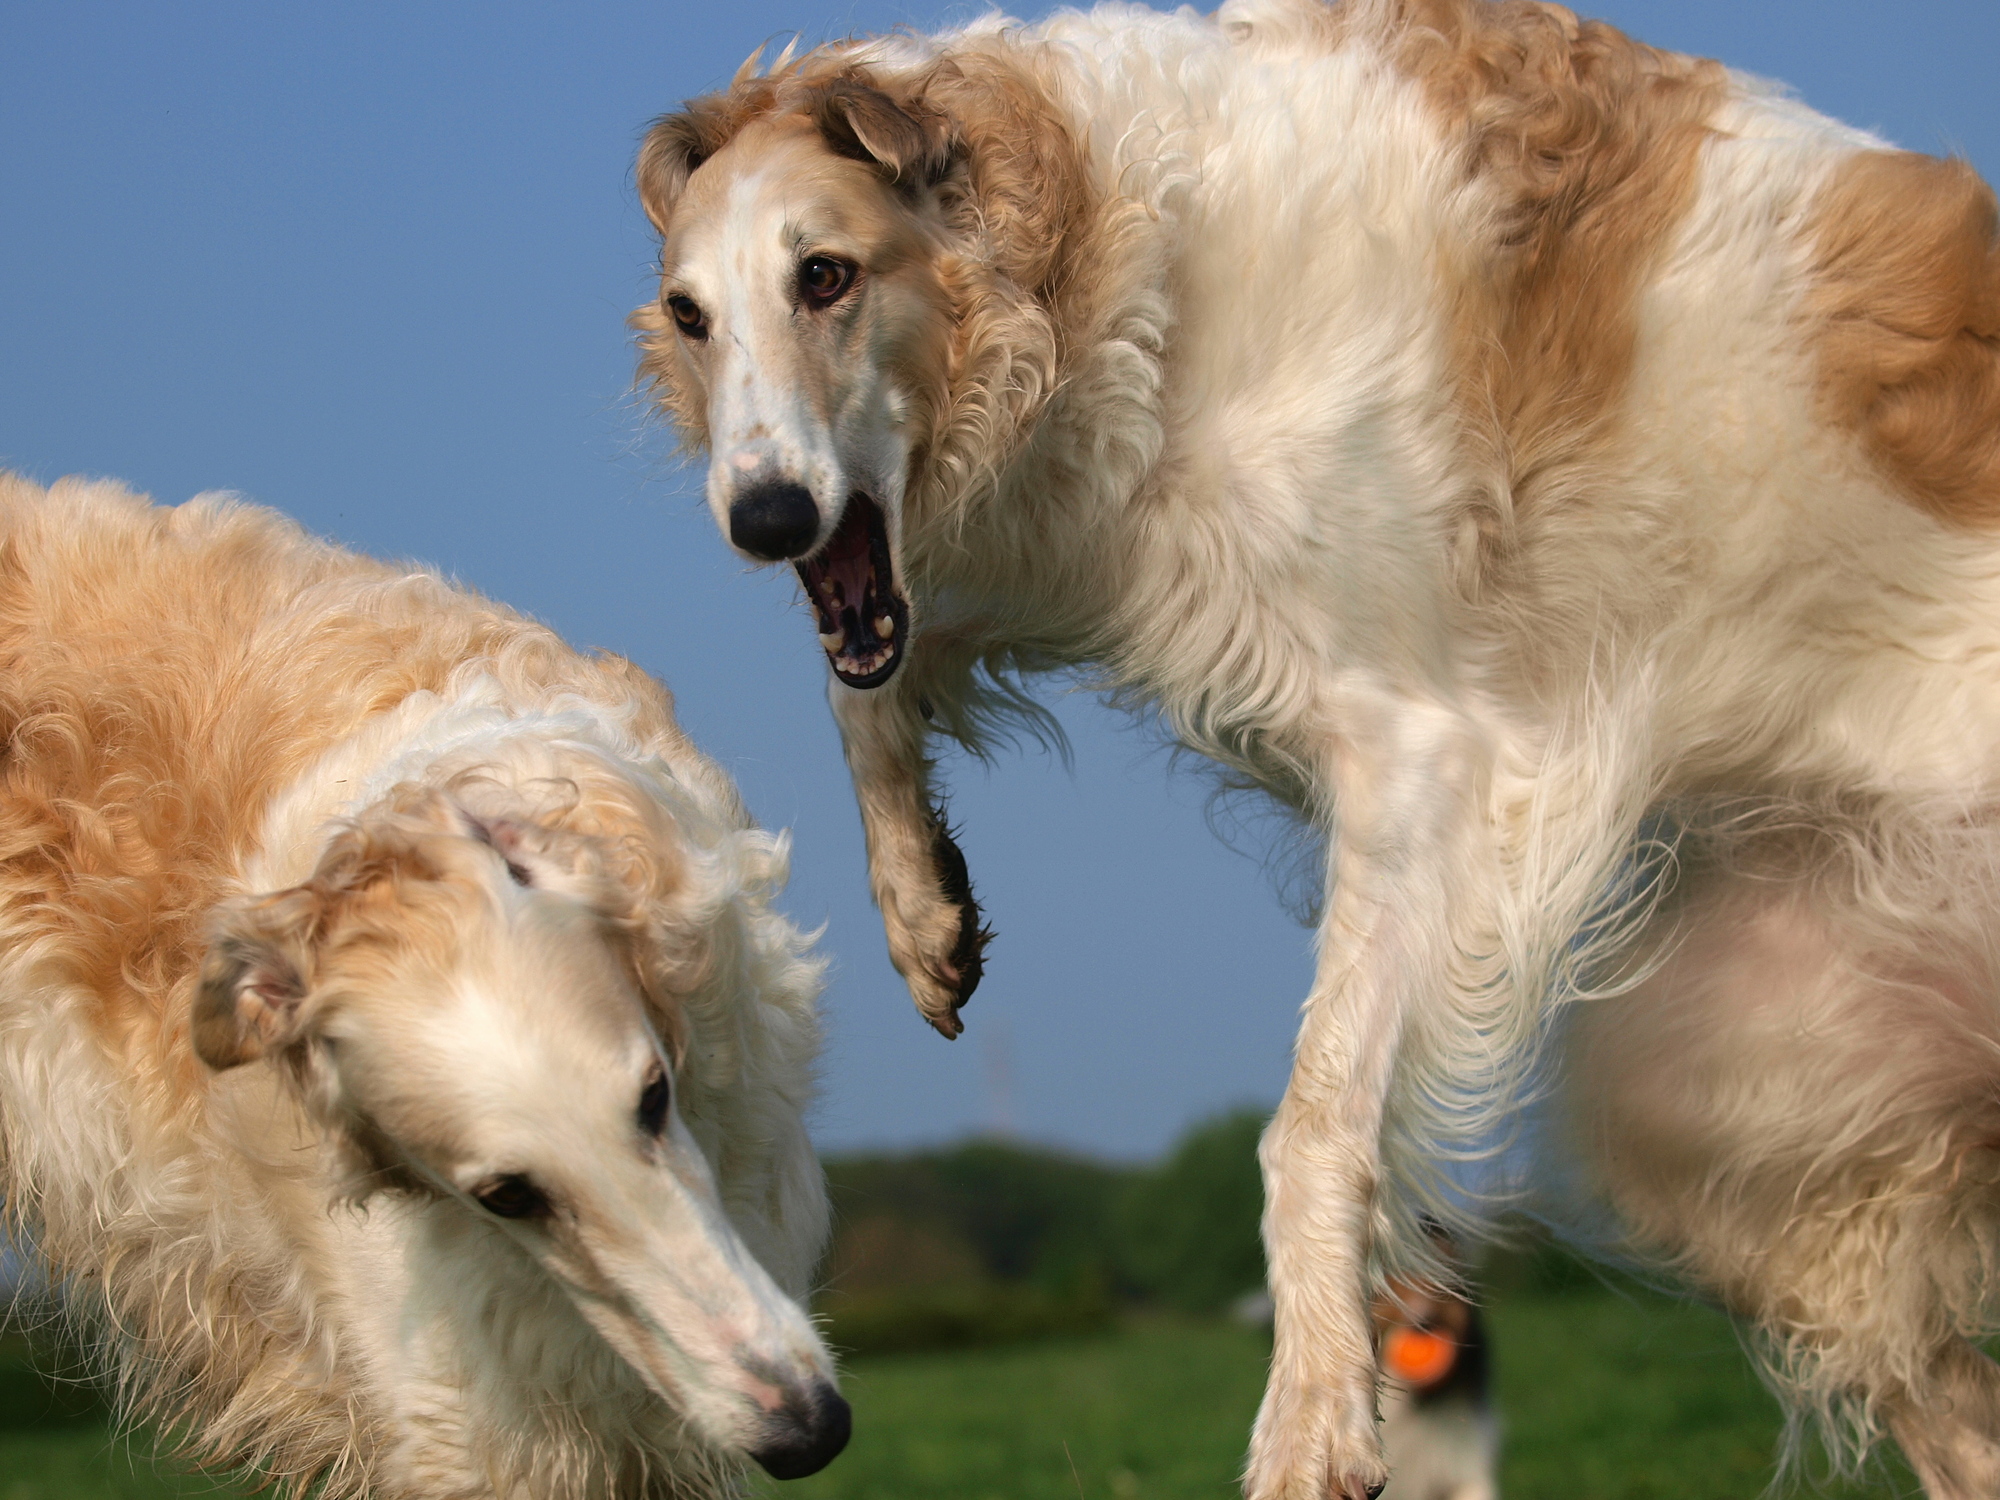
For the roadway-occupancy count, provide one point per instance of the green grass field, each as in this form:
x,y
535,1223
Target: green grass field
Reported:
x,y
1607,1396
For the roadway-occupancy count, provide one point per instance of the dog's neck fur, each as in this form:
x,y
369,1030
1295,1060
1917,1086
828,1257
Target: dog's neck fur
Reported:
x,y
1142,514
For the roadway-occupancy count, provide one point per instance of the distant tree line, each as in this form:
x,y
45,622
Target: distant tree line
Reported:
x,y
992,1241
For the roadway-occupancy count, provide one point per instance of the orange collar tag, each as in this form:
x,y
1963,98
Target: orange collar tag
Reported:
x,y
1416,1356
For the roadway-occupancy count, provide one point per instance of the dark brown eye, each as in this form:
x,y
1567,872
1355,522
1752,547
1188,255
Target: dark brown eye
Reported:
x,y
653,1101
519,874
687,317
822,279
512,1196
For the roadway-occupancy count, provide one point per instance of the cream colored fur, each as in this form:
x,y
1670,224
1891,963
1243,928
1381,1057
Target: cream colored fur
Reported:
x,y
1450,1451
440,896
1423,406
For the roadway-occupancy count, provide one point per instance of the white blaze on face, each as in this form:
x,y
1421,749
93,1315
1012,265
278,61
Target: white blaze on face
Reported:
x,y
764,421
797,392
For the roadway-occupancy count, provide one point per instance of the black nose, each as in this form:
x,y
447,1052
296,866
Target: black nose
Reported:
x,y
805,1434
773,520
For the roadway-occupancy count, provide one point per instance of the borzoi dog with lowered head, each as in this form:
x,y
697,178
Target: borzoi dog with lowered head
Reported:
x,y
401,1065
1565,472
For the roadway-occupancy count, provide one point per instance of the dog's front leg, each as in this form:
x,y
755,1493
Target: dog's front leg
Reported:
x,y
915,870
1402,777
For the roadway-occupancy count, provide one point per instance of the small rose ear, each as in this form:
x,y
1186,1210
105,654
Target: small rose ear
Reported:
x,y
860,121
252,998
674,146
510,839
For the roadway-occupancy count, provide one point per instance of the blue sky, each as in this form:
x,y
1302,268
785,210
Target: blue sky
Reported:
x,y
369,264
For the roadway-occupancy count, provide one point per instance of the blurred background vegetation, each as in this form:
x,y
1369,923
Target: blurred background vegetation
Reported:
x,y
1022,1324
991,1242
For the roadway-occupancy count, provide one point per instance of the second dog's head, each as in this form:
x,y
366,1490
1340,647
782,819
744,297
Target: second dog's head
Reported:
x,y
491,1011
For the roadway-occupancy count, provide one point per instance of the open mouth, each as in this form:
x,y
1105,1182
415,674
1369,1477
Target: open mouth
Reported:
x,y
862,619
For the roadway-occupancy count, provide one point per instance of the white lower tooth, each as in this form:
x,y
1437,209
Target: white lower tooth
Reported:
x,y
885,627
831,640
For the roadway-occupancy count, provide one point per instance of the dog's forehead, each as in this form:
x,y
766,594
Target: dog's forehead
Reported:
x,y
546,974
536,1022
776,186
553,970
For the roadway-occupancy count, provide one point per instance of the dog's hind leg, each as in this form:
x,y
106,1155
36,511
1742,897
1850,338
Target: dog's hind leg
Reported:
x,y
915,869
1404,776
1952,1436
1798,1110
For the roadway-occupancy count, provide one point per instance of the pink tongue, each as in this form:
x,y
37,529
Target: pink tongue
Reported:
x,y
849,567
849,571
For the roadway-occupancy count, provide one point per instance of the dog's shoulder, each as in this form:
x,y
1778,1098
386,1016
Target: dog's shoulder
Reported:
x,y
1580,150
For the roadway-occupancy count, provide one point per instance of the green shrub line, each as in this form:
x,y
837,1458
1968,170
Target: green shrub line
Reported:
x,y
972,1316
991,1242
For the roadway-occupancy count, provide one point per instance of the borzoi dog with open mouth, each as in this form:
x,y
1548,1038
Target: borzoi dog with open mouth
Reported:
x,y
401,1065
1566,473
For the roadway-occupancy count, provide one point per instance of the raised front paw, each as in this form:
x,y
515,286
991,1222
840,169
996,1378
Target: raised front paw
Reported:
x,y
1316,1442
936,938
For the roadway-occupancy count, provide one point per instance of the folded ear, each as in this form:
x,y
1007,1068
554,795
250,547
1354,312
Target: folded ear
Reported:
x,y
675,145
254,994
861,121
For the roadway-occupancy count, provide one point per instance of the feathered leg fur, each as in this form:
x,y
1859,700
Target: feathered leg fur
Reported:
x,y
915,869
1795,1110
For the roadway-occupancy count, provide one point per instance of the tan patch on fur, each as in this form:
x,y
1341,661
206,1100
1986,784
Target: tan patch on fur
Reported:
x,y
1905,312
1591,142
163,673
1022,214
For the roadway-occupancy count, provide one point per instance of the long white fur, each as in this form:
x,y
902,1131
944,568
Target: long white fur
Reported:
x,y
1241,499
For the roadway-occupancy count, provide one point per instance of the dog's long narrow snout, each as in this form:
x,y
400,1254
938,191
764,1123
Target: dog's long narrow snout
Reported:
x,y
806,1433
738,1358
655,1266
774,519
771,455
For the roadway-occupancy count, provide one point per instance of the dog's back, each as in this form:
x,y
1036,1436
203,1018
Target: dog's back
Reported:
x,y
165,672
